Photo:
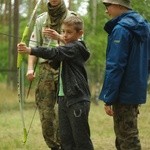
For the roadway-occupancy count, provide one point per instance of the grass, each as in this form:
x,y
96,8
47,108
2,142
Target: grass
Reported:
x,y
11,128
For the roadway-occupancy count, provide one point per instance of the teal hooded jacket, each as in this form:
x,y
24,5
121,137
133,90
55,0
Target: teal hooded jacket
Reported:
x,y
127,58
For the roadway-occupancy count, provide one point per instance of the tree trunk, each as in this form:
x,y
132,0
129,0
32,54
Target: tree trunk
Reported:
x,y
70,4
94,14
9,43
15,41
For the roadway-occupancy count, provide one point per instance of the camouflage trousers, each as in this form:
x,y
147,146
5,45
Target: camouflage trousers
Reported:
x,y
46,103
125,127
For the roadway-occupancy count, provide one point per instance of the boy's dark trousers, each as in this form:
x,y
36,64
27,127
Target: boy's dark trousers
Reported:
x,y
74,127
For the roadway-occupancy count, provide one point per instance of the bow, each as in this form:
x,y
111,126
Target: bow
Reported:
x,y
19,65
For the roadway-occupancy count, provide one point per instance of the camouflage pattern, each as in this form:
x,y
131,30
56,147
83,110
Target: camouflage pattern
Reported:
x,y
46,94
125,127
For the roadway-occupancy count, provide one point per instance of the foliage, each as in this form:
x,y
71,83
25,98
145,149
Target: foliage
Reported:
x,y
4,53
142,7
96,41
4,36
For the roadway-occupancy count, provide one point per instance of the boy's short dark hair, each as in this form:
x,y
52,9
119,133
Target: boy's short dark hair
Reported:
x,y
75,21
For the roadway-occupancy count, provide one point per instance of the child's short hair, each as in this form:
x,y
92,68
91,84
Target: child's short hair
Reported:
x,y
75,21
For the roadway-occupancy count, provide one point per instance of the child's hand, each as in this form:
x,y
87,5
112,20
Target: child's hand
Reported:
x,y
108,110
50,33
22,48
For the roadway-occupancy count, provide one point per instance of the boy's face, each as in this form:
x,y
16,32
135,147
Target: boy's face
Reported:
x,y
70,34
55,2
112,10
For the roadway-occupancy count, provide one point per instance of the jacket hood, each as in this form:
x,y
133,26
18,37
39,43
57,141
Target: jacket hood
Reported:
x,y
133,22
84,51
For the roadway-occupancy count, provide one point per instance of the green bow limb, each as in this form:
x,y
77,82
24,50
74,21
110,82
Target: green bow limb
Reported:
x,y
26,33
20,94
23,40
19,65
